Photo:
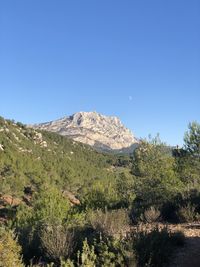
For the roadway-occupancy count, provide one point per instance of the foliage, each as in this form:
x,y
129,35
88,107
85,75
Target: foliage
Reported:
x,y
192,139
63,163
56,242
151,215
188,158
109,253
125,189
99,196
9,250
48,213
102,252
155,248
110,223
48,205
87,257
187,213
156,181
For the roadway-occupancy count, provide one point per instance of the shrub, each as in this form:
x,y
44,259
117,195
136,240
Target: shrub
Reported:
x,y
56,242
99,196
67,263
109,222
9,250
102,252
151,215
187,213
87,257
109,253
155,248
48,208
125,189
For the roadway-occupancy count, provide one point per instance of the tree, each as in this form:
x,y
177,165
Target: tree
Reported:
x,y
155,178
40,225
188,158
192,139
125,189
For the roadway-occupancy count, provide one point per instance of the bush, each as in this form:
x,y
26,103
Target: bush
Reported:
x,y
9,250
102,252
56,242
48,208
110,223
151,215
187,213
87,257
183,208
155,248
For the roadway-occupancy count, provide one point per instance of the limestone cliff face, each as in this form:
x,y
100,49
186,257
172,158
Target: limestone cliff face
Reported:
x,y
101,132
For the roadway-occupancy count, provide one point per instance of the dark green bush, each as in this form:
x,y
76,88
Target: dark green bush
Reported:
x,y
105,252
156,247
49,208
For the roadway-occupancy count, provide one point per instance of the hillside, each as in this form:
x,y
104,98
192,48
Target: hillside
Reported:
x,y
102,132
30,157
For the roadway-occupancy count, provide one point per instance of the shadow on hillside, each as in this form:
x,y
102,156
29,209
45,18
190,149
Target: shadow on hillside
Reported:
x,y
189,254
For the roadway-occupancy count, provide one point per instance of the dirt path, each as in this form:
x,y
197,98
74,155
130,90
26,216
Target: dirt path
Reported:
x,y
189,255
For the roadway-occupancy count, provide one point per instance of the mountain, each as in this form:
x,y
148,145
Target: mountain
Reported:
x,y
104,133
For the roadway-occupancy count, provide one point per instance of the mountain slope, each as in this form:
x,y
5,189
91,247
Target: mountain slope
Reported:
x,y
101,132
30,157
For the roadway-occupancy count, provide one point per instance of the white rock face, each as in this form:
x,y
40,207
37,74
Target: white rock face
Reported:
x,y
94,129
1,147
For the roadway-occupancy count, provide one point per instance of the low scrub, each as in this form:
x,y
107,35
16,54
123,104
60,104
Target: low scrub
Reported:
x,y
154,248
151,215
110,223
56,242
9,250
187,213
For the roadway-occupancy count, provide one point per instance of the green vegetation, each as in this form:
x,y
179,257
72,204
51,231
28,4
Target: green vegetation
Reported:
x,y
69,205
31,159
161,244
9,250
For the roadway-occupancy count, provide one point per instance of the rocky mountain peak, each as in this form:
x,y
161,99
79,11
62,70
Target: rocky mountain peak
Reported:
x,y
92,128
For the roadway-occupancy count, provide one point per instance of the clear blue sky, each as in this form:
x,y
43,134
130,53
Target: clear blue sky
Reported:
x,y
136,59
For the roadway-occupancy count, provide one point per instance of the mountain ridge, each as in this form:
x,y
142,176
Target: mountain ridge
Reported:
x,y
105,133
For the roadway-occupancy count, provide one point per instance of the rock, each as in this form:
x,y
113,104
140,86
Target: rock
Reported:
x,y
1,147
38,139
100,131
43,144
16,137
71,197
9,200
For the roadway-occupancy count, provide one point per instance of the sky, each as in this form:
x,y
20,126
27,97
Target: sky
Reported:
x,y
136,59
